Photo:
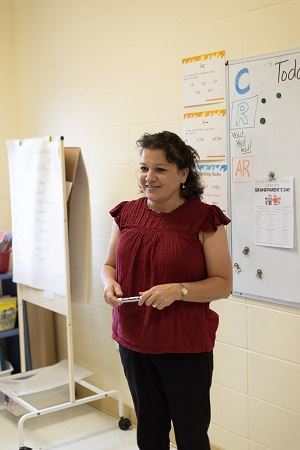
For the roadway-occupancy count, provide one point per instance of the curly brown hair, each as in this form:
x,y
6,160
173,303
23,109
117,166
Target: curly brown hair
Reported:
x,y
179,153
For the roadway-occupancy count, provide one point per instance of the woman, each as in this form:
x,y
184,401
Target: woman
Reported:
x,y
171,249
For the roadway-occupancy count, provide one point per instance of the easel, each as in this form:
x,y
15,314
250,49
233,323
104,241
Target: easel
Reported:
x,y
60,304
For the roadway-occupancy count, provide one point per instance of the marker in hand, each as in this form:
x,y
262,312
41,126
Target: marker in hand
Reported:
x,y
129,299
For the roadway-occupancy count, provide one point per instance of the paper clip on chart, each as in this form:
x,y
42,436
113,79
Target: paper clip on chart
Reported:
x,y
129,299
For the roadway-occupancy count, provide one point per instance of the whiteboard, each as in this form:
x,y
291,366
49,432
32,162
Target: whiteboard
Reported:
x,y
264,125
38,214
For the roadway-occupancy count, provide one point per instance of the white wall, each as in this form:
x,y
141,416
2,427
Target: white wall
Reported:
x,y
103,72
8,117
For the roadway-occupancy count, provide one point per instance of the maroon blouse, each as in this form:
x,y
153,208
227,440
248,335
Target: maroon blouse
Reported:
x,y
157,248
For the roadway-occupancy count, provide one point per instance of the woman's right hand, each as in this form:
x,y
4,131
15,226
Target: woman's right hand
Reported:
x,y
111,293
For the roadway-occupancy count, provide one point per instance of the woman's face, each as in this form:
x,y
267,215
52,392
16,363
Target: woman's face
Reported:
x,y
159,178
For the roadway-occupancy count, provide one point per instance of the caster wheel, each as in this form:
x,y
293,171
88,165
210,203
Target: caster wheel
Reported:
x,y
124,423
25,448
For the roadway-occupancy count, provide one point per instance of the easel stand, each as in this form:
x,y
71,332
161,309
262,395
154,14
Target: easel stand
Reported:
x,y
97,393
60,304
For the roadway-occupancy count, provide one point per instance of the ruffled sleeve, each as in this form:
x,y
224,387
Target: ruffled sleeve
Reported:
x,y
213,219
116,213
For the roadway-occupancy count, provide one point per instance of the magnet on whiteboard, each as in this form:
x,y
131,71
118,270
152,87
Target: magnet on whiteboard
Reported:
x,y
246,251
236,267
263,100
262,120
278,95
259,273
271,175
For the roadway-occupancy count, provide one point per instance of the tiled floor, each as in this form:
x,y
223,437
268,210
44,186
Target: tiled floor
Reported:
x,y
79,428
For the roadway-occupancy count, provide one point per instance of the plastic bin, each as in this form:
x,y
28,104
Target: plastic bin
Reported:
x,y
4,261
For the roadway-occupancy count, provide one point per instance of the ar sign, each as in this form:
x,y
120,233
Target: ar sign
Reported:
x,y
243,113
242,169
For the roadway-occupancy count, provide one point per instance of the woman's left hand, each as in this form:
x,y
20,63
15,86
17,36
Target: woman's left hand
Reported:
x,y
161,295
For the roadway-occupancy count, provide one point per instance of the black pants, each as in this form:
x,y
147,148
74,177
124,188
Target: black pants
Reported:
x,y
172,386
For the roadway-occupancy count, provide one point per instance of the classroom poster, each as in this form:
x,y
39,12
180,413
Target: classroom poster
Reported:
x,y
203,79
274,212
205,131
214,179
